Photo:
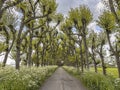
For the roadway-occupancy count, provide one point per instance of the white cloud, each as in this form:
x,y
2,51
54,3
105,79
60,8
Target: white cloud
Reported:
x,y
100,7
93,26
65,5
96,6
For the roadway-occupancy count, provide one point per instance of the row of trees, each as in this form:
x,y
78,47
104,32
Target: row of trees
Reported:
x,y
32,32
30,35
90,44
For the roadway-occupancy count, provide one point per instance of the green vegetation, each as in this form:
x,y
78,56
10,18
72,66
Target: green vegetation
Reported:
x,y
25,79
95,81
35,35
110,71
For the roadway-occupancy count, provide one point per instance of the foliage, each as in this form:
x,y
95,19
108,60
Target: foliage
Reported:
x,y
2,47
106,21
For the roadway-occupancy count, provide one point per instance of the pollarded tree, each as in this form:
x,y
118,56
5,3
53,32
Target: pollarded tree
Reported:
x,y
100,42
37,10
92,42
113,9
81,17
73,36
107,22
9,31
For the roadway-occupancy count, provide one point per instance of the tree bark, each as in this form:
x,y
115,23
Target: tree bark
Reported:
x,y
118,64
37,53
102,58
30,50
114,52
81,57
86,51
103,64
18,44
8,49
37,63
93,54
95,64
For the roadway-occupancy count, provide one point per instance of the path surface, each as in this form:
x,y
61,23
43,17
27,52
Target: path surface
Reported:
x,y
61,80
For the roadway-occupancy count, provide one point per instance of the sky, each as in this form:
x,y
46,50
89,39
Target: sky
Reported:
x,y
96,7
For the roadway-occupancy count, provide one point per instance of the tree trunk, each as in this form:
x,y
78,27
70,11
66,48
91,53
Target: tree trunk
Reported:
x,y
102,58
118,63
37,53
30,50
103,64
18,44
42,62
77,63
93,54
86,51
81,57
95,64
8,51
5,58
7,48
114,52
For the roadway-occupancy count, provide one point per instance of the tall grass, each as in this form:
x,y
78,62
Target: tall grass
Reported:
x,y
25,79
95,81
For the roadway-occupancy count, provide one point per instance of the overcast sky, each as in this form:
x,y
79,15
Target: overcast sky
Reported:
x,y
96,6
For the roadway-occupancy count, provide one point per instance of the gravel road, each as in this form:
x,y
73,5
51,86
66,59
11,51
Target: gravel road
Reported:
x,y
61,80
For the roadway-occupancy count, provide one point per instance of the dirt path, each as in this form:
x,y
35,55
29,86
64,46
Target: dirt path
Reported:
x,y
61,80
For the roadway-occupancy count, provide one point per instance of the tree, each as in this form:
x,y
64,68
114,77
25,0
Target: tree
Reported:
x,y
107,22
100,41
46,8
81,17
112,8
8,32
92,39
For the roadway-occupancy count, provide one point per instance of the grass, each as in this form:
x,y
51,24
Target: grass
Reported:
x,y
97,81
110,71
25,79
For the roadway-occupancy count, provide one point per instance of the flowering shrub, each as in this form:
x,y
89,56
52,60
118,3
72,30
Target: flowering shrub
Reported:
x,y
25,79
117,84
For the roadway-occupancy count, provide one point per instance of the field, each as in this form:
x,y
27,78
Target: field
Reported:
x,y
110,71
